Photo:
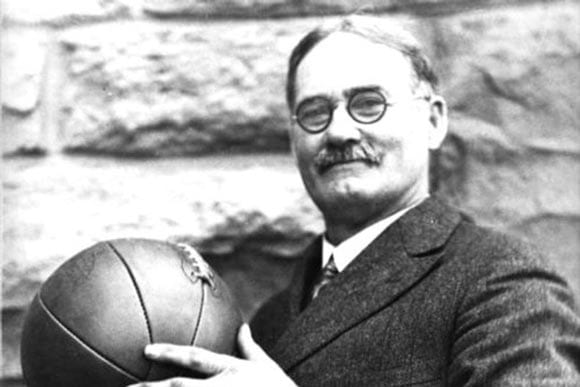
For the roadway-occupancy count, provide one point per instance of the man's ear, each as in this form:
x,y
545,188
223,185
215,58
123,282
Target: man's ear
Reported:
x,y
439,121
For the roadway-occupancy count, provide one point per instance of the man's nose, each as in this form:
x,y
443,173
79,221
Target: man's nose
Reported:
x,y
342,128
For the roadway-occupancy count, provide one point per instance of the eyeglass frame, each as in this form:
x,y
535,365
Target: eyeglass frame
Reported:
x,y
353,93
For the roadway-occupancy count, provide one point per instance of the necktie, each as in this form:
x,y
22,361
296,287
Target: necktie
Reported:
x,y
325,276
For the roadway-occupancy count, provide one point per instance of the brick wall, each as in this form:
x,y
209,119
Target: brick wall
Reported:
x,y
166,119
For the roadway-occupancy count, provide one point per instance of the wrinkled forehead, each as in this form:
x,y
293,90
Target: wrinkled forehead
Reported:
x,y
345,61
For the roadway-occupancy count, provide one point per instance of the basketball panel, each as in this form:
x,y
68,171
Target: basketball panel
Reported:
x,y
172,301
95,298
220,320
52,356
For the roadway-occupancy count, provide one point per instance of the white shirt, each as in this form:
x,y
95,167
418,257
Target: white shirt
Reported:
x,y
348,250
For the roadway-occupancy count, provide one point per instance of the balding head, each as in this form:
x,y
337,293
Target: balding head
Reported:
x,y
374,29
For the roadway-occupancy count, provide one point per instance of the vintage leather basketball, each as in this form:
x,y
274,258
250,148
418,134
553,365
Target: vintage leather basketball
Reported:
x,y
91,319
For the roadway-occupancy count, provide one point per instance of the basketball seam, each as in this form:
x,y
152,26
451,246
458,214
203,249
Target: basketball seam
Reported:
x,y
139,296
108,361
198,322
199,315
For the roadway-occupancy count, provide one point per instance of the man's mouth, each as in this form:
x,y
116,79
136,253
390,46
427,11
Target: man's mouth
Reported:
x,y
330,157
324,167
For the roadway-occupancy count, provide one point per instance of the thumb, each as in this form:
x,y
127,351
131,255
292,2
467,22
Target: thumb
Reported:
x,y
248,347
195,358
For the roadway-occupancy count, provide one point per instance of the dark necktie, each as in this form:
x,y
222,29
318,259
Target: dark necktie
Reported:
x,y
325,276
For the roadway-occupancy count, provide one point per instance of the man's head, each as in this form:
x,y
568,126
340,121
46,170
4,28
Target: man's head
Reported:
x,y
365,115
373,29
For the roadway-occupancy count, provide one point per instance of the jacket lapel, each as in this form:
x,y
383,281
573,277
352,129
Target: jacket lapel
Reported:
x,y
400,257
304,275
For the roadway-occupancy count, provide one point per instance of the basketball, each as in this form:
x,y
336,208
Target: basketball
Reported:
x,y
92,318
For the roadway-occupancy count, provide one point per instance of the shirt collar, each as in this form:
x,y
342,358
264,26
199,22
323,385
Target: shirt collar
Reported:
x,y
350,248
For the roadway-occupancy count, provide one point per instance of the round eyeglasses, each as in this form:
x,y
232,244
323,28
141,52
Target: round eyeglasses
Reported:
x,y
366,107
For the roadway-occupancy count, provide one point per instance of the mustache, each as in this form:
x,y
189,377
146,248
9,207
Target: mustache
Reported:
x,y
339,154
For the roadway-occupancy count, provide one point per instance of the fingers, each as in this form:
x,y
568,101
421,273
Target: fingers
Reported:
x,y
194,358
223,370
175,382
248,347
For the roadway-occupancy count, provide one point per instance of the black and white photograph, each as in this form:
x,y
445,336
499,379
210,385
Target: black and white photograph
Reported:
x,y
290,193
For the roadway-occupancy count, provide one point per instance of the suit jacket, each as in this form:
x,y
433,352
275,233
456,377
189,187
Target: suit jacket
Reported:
x,y
434,300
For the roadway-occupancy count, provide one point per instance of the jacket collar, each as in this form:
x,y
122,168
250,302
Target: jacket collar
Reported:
x,y
401,256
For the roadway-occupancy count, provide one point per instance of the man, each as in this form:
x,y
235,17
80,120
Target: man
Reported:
x,y
401,289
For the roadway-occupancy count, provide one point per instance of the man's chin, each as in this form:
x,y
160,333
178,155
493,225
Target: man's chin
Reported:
x,y
346,192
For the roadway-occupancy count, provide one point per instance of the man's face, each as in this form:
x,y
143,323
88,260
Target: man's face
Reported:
x,y
379,167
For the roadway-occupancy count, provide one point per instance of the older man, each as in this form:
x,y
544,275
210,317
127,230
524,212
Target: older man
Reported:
x,y
401,289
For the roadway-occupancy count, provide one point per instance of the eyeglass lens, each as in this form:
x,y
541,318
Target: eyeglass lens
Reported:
x,y
314,114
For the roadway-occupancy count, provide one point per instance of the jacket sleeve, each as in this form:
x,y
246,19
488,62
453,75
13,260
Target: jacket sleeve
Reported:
x,y
517,324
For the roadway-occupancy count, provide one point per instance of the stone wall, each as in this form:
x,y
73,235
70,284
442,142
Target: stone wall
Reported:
x,y
166,119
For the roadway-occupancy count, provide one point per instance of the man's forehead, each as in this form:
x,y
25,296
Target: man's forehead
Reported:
x,y
344,61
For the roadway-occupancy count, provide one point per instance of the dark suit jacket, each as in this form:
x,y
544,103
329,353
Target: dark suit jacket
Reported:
x,y
434,300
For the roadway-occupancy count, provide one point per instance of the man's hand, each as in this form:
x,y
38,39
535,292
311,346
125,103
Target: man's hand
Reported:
x,y
255,369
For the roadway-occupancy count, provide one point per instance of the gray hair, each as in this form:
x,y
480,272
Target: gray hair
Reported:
x,y
373,29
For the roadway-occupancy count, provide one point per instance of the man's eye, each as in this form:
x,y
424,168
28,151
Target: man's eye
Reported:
x,y
314,114
313,111
369,104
